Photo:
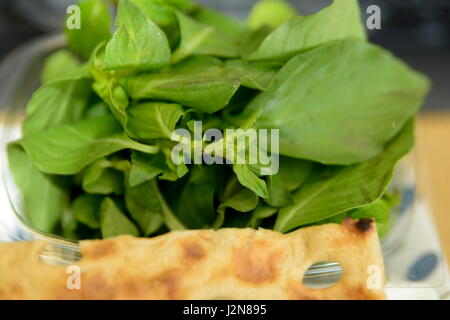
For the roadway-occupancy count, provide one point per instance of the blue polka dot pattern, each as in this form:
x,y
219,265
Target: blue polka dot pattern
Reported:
x,y
407,199
423,267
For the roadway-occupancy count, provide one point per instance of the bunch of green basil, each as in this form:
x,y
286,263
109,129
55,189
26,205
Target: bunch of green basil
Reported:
x,y
94,160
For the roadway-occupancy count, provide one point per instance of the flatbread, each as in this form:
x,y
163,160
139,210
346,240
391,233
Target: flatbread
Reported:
x,y
203,264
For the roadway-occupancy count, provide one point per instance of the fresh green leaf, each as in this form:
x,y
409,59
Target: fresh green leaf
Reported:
x,y
340,20
94,28
196,206
176,171
97,110
261,212
293,172
252,39
86,210
44,199
57,102
144,206
146,167
170,219
68,149
192,84
107,87
153,120
162,12
339,189
272,13
114,222
256,75
224,23
347,111
279,196
105,176
243,200
250,180
200,39
58,65
138,44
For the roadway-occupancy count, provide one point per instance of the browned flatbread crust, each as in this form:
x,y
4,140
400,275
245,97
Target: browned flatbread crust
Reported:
x,y
205,264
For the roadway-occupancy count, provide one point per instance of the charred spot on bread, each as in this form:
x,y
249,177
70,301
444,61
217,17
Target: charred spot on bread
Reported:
x,y
364,225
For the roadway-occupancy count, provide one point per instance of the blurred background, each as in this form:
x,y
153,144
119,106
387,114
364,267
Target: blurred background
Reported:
x,y
418,31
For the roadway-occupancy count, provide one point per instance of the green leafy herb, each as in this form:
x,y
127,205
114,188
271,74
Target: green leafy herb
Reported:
x,y
347,112
138,43
201,39
68,149
86,210
58,102
194,84
251,180
340,20
59,64
241,200
224,23
153,120
257,75
44,198
114,222
335,189
145,167
95,22
95,159
271,13
144,206
105,176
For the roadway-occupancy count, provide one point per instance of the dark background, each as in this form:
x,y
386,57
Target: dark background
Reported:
x,y
418,31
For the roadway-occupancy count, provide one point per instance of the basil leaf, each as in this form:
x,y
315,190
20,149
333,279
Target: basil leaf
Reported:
x,y
162,11
339,189
224,23
105,177
138,43
86,209
279,196
257,75
293,172
272,13
95,27
145,167
347,112
340,20
143,204
262,212
250,180
153,120
44,199
192,84
200,39
243,201
57,102
107,87
68,149
170,219
252,39
175,171
196,205
114,222
98,110
58,65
